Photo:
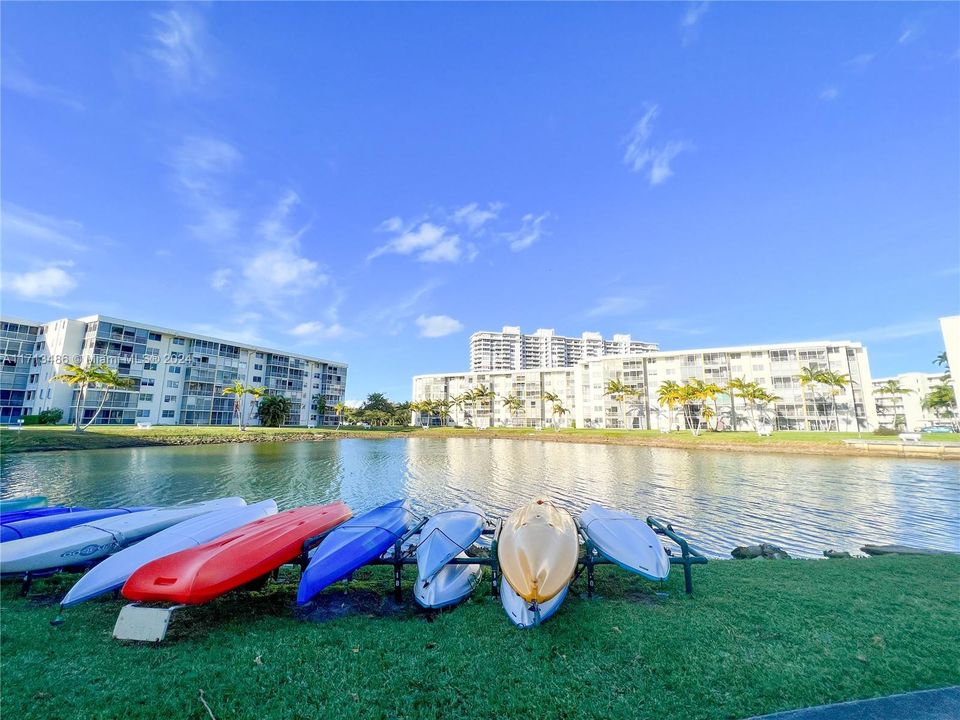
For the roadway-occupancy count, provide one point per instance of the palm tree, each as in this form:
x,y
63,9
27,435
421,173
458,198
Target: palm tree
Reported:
x,y
940,398
736,385
82,378
547,397
461,401
558,410
443,410
339,410
320,407
763,398
893,388
691,394
239,390
514,406
273,410
110,379
618,392
811,377
482,394
751,392
669,394
837,384
709,391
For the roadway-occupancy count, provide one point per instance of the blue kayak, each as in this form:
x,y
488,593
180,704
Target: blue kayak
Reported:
x,y
52,523
353,545
15,515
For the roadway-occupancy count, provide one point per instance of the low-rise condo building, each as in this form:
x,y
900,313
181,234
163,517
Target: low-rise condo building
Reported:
x,y
512,350
177,376
905,410
581,398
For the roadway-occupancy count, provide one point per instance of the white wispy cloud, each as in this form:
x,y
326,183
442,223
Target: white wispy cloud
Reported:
x,y
616,305
530,231
318,330
475,217
427,241
642,156
860,62
203,167
15,79
180,46
27,228
221,278
830,93
895,331
278,270
392,318
435,326
689,23
909,33
51,282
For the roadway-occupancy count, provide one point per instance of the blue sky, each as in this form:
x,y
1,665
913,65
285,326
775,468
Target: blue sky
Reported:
x,y
374,182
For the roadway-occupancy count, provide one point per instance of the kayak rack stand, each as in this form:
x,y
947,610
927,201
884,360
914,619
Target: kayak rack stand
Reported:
x,y
398,558
689,556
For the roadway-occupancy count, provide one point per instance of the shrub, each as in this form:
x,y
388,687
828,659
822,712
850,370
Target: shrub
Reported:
x,y
886,431
51,417
30,419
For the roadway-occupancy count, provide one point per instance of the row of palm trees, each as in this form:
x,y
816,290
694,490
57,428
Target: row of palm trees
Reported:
x,y
482,399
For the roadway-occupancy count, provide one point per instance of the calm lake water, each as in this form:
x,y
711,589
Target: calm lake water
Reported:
x,y
718,499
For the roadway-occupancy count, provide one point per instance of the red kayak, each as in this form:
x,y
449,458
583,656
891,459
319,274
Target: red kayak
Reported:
x,y
202,573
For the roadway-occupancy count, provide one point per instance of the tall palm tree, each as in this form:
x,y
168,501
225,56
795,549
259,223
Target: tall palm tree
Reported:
x,y
559,410
691,394
836,384
736,385
80,377
940,398
239,391
618,392
273,410
339,410
547,397
482,394
669,394
811,377
763,399
893,388
320,407
514,406
443,410
709,391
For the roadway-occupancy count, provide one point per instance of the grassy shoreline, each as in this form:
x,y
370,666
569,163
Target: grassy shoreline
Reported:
x,y
61,437
756,637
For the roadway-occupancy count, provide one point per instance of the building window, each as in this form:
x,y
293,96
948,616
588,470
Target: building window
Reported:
x,y
143,413
173,384
169,398
151,366
258,367
179,341
167,414
257,378
154,336
146,397
175,369
147,382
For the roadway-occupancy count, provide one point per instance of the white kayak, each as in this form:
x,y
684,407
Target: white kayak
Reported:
x,y
113,572
92,541
449,586
525,614
625,540
446,535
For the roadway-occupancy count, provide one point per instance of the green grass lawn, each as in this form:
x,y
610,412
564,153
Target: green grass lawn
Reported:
x,y
62,437
757,636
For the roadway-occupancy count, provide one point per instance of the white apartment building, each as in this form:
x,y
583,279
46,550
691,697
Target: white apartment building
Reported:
x,y
178,376
904,411
512,350
580,389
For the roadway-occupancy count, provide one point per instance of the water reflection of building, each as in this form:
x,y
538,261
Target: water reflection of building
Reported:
x,y
580,389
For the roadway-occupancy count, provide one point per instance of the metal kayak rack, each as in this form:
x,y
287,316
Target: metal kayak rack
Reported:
x,y
689,556
398,558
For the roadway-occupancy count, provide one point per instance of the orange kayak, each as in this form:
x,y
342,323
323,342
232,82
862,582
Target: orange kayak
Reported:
x,y
202,573
538,549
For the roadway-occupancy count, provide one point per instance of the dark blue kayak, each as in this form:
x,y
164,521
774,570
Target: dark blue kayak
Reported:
x,y
353,545
52,523
16,515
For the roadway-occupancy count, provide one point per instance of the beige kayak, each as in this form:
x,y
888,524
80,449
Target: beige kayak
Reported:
x,y
537,550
